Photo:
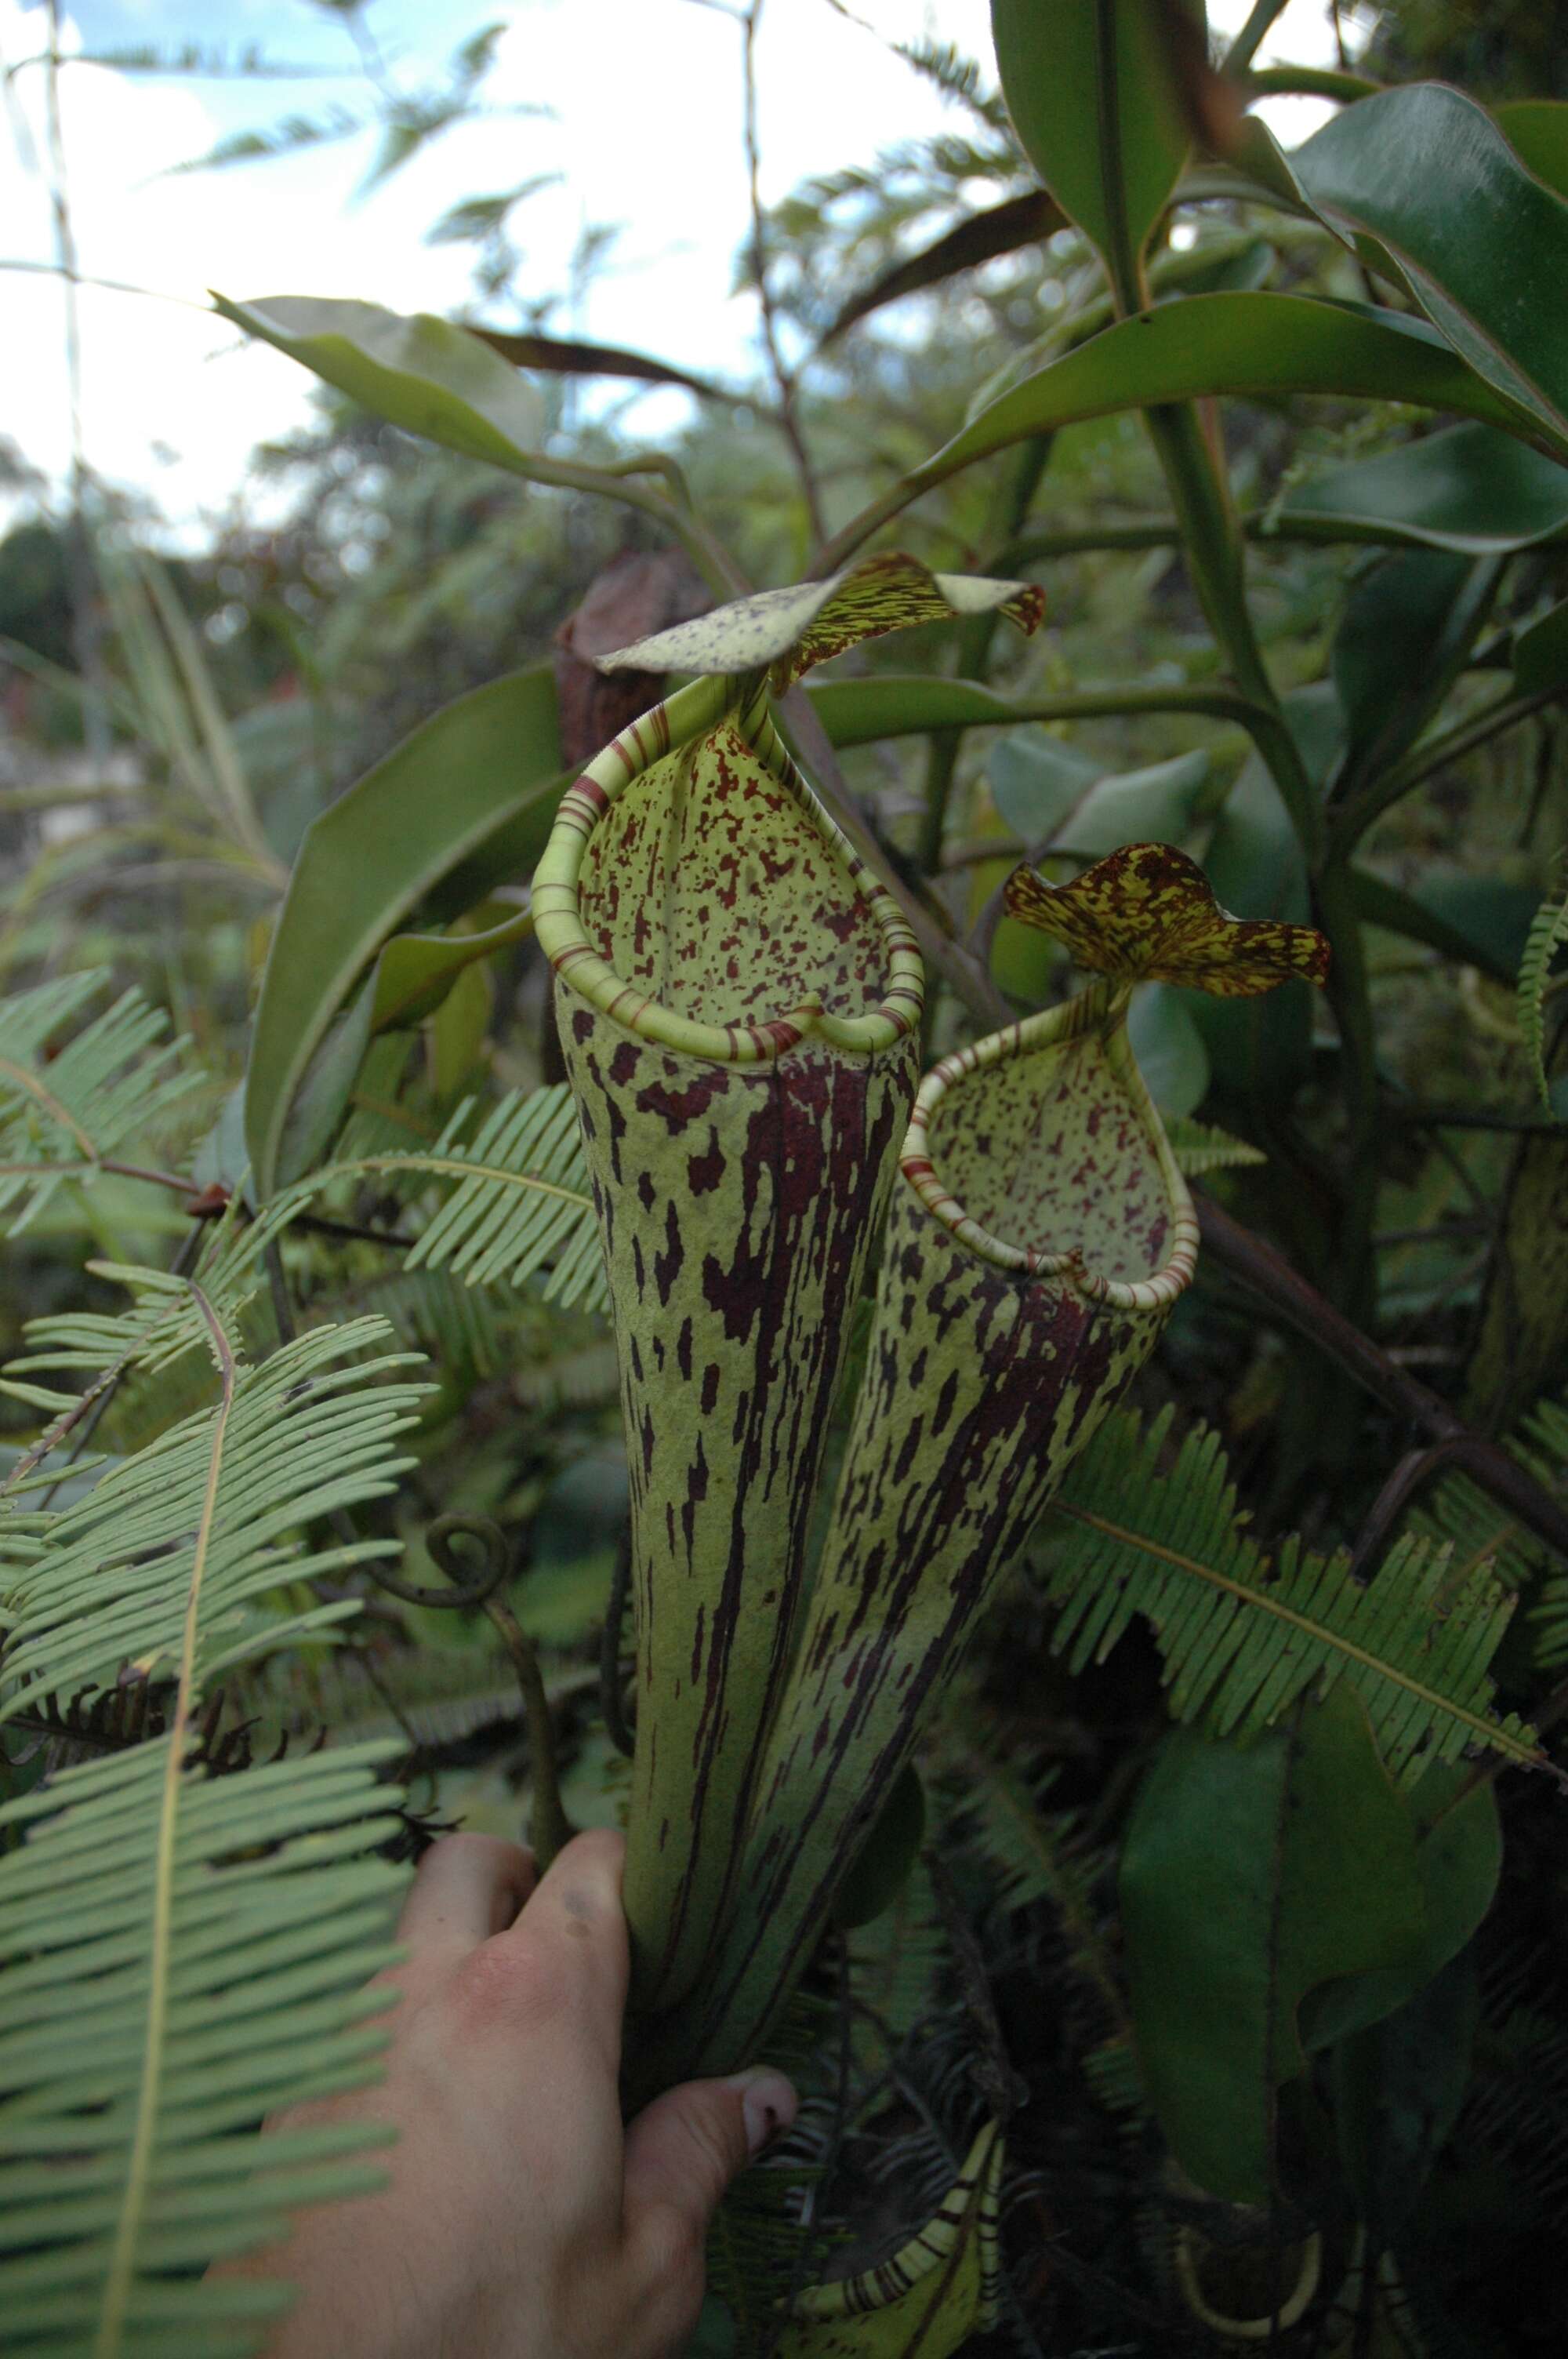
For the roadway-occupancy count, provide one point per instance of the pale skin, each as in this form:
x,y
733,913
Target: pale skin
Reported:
x,y
522,2219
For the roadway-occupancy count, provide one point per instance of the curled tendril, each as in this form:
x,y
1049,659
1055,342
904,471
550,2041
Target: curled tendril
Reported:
x,y
549,1828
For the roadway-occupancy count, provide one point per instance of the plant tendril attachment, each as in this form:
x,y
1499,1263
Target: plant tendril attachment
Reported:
x,y
550,1829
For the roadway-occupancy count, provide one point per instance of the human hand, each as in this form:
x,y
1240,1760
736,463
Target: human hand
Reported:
x,y
522,2221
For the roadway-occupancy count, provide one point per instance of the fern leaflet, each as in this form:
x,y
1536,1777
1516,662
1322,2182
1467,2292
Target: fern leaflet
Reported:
x,y
64,1116
179,1952
1242,1638
523,1199
1548,932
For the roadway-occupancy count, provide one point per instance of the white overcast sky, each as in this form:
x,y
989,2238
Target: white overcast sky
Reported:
x,y
646,134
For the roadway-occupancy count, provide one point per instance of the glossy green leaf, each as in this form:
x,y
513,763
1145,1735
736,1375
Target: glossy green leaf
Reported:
x,y
1392,642
1398,2090
1169,1047
416,971
457,1031
1459,1858
1250,1876
1097,112
1058,797
1262,345
470,795
880,1869
1540,652
1473,920
1536,129
1482,244
1491,914
421,373
1466,488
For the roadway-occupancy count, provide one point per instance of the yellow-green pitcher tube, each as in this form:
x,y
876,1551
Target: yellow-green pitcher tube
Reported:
x,y
738,1006
1037,1243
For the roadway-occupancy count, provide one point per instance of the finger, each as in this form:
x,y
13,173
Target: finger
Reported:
x,y
683,2150
466,1888
575,1926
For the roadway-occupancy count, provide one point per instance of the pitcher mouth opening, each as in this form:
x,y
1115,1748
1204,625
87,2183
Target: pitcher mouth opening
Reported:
x,y
559,882
1092,1021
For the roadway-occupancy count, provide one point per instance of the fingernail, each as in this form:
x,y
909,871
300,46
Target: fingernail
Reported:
x,y
768,2103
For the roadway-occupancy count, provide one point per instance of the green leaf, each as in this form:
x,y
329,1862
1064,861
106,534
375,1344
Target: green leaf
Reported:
x,y
181,1951
1536,129
418,372
1060,799
880,1869
1472,920
1548,932
1260,345
1398,2090
522,1204
469,798
1405,627
1200,1146
64,1105
1459,1858
1169,1049
1481,242
1540,652
1250,1875
1465,487
1097,112
416,971
1243,1637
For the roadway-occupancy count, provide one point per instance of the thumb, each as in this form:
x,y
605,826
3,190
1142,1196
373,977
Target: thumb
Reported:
x,y
683,2150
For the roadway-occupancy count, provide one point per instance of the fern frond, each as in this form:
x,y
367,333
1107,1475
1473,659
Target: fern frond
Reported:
x,y
63,1115
1243,1637
1481,1532
1201,1147
181,1952
1548,932
293,1439
177,1955
523,1200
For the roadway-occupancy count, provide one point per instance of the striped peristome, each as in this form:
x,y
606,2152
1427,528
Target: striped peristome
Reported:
x,y
1038,1242
941,2287
738,1006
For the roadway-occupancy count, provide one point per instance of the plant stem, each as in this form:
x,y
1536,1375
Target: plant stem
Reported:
x,y
783,380
1267,1275
1433,754
973,655
1253,33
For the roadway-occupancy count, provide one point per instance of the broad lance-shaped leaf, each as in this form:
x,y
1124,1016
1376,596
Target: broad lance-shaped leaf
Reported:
x,y
737,1007
1098,109
1252,1876
939,2288
1148,912
785,632
1040,1238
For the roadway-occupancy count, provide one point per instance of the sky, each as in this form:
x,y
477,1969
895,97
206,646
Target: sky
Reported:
x,y
645,131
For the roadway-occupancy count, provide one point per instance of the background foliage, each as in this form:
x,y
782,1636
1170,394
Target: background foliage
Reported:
x,y
1227,2060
